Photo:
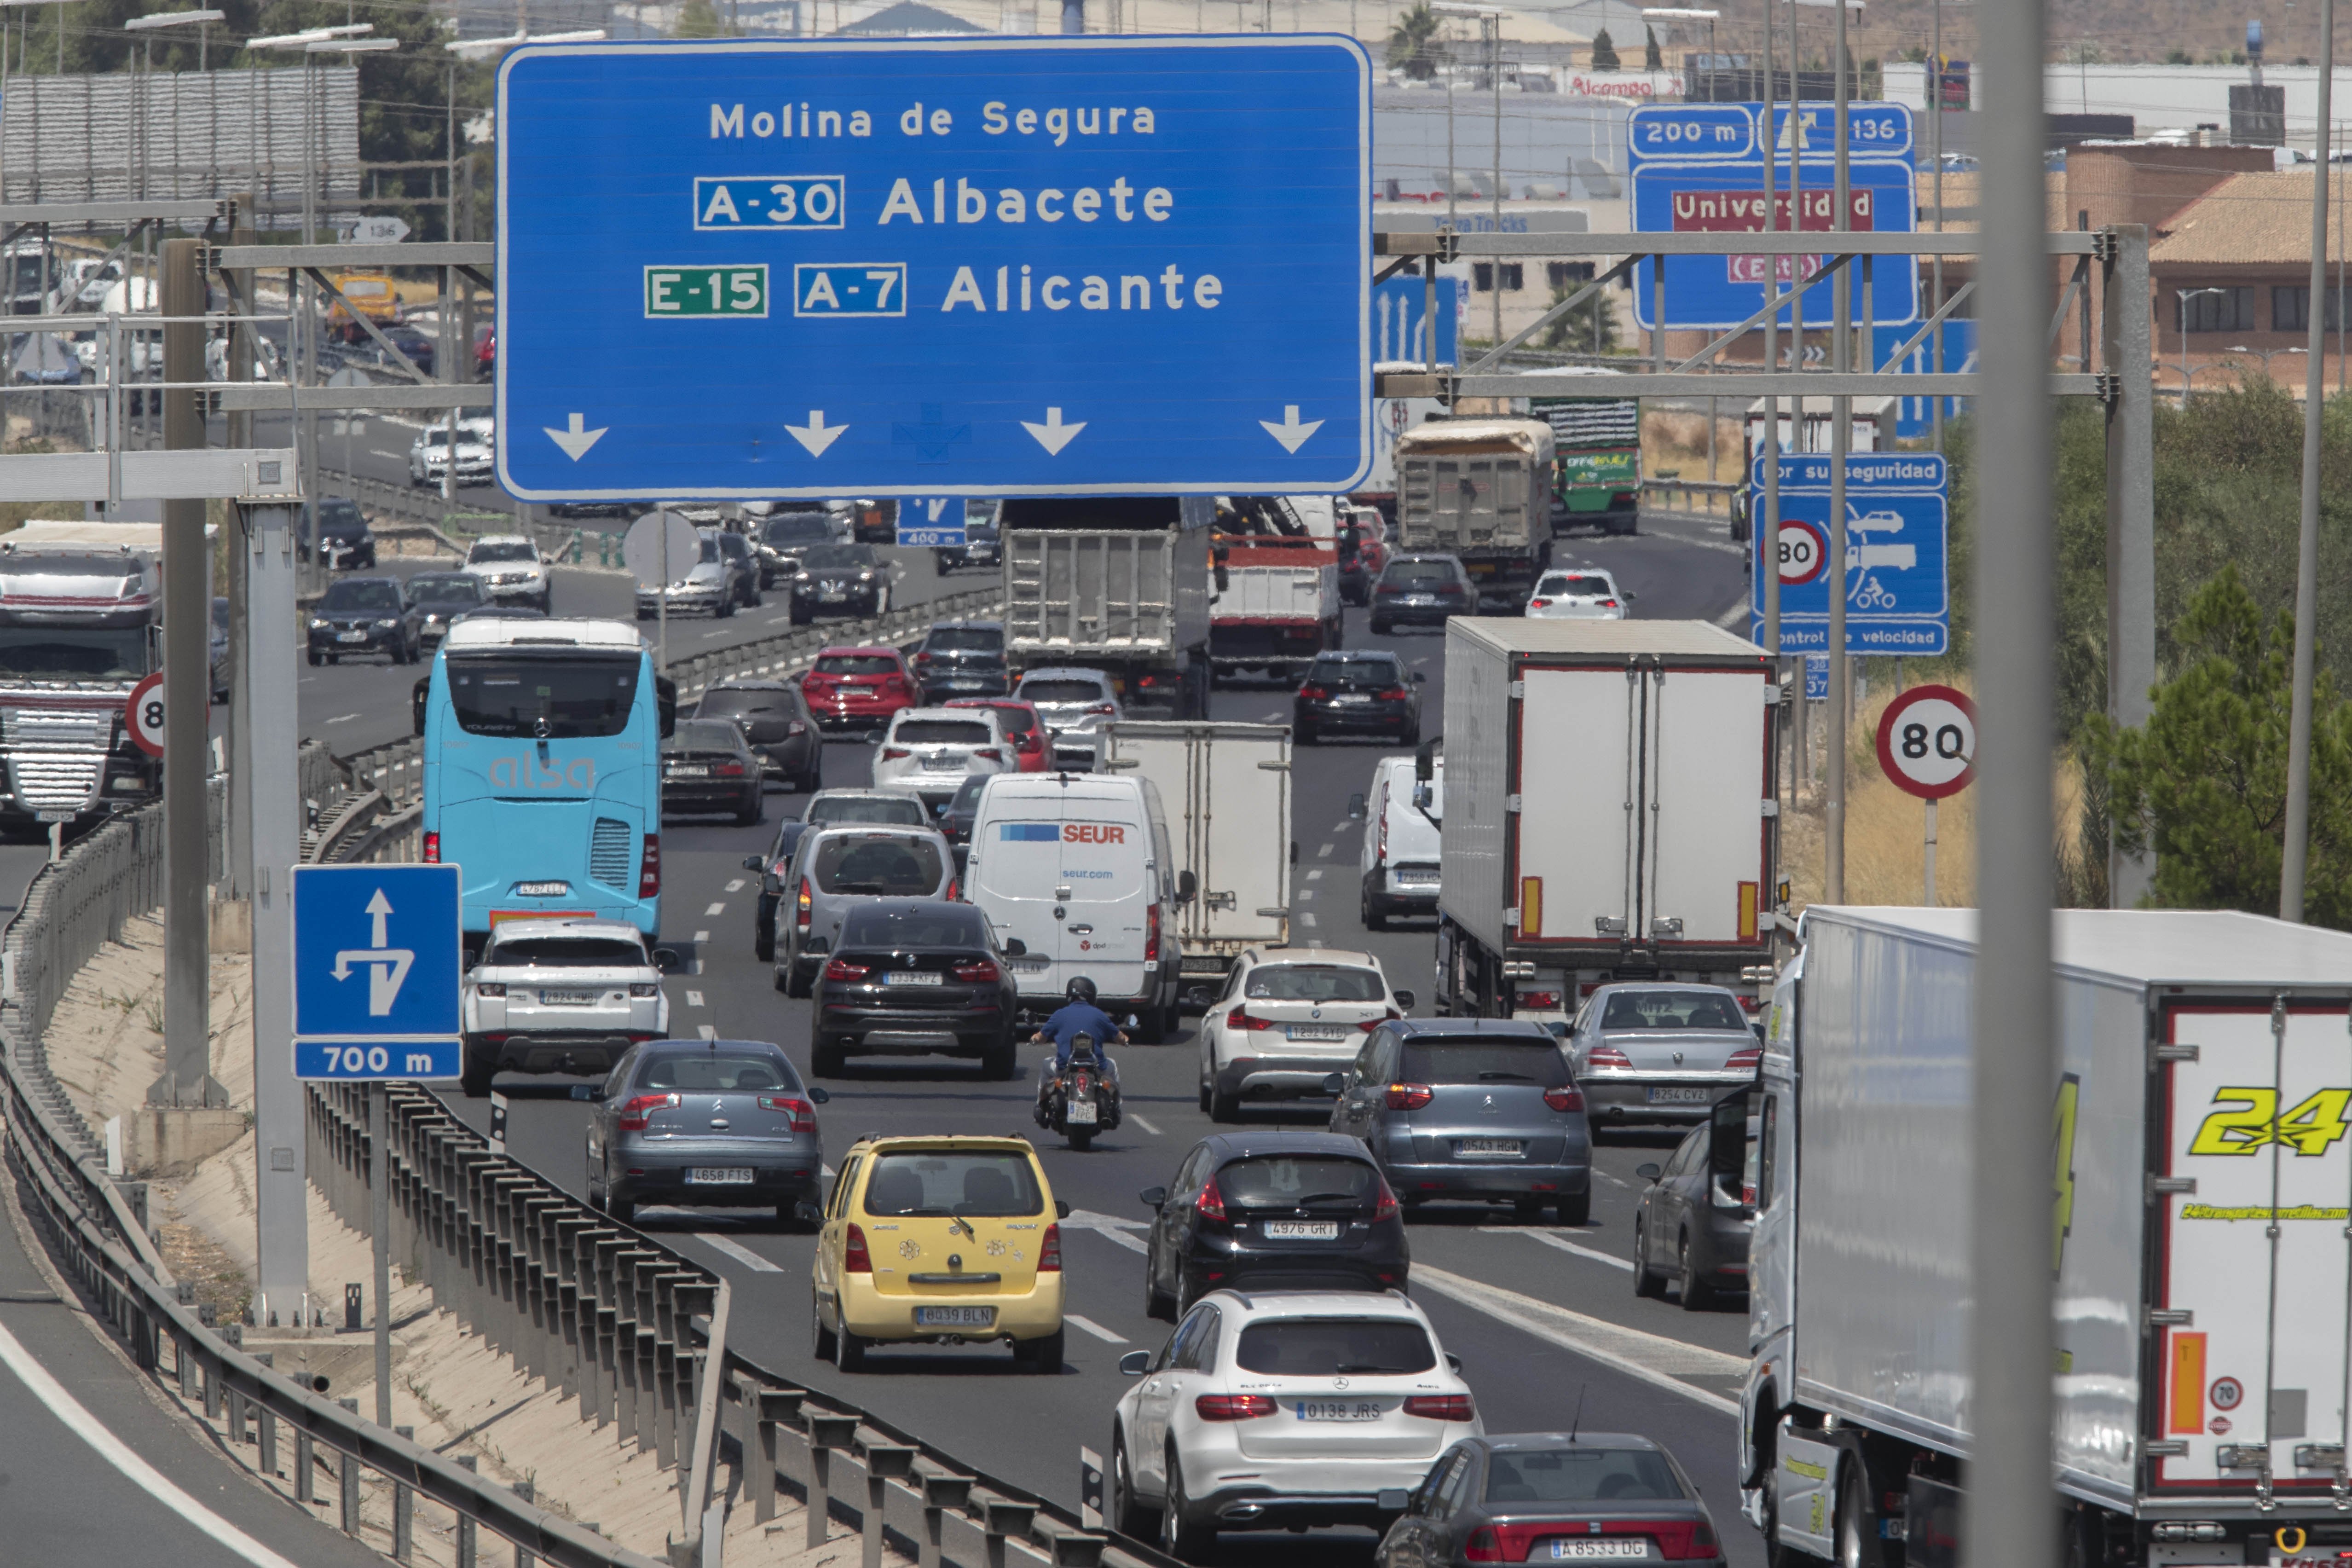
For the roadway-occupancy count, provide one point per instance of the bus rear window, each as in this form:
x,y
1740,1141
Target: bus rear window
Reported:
x,y
576,698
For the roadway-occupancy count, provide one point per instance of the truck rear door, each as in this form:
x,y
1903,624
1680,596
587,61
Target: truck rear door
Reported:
x,y
1579,765
2252,1249
1705,844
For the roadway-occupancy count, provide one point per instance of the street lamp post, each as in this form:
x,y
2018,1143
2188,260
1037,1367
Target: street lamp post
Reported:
x,y
1490,21
202,21
2264,354
2186,295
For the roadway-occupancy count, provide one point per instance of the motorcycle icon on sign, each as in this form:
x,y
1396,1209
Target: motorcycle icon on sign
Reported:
x,y
1860,555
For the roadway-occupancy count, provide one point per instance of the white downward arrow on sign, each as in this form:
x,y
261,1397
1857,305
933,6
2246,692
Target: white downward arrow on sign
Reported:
x,y
1290,432
1054,435
816,435
576,440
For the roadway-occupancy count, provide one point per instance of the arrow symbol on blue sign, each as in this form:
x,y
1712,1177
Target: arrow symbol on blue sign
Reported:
x,y
576,440
1290,432
816,435
1054,435
387,967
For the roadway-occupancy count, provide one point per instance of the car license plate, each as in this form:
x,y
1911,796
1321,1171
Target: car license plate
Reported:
x,y
1421,598
1081,1113
1692,1096
1604,1547
1417,878
912,978
955,1317
1355,696
569,998
942,762
1317,1031
1487,1148
1338,1409
1030,964
351,636
834,595
688,770
719,1177
1302,1230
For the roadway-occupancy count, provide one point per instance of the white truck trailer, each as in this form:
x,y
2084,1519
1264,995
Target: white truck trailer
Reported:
x,y
1608,796
2198,1241
1226,789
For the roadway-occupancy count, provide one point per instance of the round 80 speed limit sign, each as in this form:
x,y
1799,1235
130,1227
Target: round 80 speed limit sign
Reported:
x,y
145,717
1928,741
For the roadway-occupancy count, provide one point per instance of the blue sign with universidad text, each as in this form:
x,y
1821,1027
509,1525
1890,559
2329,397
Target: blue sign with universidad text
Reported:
x,y
1896,580
376,967
1699,169
929,266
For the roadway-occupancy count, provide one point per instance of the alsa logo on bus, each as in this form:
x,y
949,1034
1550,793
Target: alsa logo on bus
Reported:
x,y
526,773
1061,833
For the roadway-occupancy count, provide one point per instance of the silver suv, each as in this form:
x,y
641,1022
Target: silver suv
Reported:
x,y
1075,704
835,868
559,996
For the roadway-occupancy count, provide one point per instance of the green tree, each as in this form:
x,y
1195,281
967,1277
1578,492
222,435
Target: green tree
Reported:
x,y
1604,51
1651,58
699,19
1590,327
1414,47
2203,784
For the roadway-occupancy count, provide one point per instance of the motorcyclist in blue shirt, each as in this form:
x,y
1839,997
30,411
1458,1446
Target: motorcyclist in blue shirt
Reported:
x,y
1077,1016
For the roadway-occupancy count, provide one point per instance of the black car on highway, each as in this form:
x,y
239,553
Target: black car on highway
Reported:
x,y
703,1123
915,977
1358,693
1692,1225
957,817
825,808
779,538
360,615
1272,1210
1421,591
962,659
707,766
775,718
1549,1497
350,543
839,580
435,600
982,546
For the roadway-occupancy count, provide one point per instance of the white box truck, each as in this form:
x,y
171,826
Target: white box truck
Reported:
x,y
2199,1171
1227,790
1608,796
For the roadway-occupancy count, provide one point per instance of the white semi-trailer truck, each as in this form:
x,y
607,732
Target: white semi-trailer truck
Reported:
x,y
2198,1241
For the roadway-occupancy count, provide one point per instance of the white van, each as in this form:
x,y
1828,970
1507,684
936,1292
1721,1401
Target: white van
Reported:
x,y
1403,847
1072,865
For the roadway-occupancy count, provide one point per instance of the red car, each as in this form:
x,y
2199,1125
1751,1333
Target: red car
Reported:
x,y
858,689
1022,722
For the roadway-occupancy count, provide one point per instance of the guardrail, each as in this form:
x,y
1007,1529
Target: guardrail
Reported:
x,y
1697,498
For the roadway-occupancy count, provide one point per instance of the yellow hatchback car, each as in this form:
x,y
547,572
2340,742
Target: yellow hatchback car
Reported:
x,y
941,1240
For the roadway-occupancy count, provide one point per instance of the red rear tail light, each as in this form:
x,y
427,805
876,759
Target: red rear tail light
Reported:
x,y
1313,693
979,971
799,1114
955,889
1538,1001
433,849
1409,1096
635,1113
728,771
1049,1253
923,659
1080,1083
1211,1203
1747,1193
1152,935
1569,1098
855,1259
1234,1406
841,971
649,868
1106,709
1390,588
804,906
1441,1407
1532,605
893,753
1386,1208
1240,1018
1608,604
1394,694
1482,1546
1609,1056
1746,1060
990,753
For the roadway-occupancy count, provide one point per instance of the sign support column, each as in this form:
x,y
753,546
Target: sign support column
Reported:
x,y
2131,521
1841,443
380,1224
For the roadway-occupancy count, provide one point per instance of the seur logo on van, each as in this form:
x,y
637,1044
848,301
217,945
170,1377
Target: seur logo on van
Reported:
x,y
1061,833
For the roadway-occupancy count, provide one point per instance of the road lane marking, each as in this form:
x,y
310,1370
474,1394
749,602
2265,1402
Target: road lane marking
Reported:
x,y
736,886
715,909
1548,1239
343,718
1731,618
701,937
1307,920
1306,893
706,1032
1652,1358
742,1255
1093,1328
1109,1227
1323,853
1342,827
694,998
114,1451
1141,1122
1316,875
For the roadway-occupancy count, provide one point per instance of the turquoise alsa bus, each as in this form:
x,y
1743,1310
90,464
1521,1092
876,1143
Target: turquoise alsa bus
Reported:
x,y
542,770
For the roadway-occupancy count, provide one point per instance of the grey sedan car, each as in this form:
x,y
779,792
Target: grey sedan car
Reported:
x,y
1661,1053
703,1125
835,868
1693,1222
1475,1109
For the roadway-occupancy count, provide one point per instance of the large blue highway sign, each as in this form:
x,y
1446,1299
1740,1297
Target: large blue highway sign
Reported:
x,y
1699,168
758,269
1896,580
376,968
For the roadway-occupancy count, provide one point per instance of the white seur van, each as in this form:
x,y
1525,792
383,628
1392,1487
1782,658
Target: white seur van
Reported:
x,y
1072,864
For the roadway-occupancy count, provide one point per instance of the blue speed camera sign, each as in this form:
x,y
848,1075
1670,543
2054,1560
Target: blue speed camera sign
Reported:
x,y
927,267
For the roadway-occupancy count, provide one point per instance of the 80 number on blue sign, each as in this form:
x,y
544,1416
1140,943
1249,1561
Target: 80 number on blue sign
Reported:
x,y
394,1060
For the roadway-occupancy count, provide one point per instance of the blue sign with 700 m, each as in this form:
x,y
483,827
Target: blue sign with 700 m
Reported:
x,y
1896,579
931,266
376,968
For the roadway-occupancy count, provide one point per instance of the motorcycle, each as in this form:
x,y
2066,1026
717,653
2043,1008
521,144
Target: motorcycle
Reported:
x,y
1080,1100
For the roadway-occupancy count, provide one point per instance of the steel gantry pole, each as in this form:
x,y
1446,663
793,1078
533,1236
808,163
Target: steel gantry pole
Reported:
x,y
1766,544
2306,562
2007,1516
1841,440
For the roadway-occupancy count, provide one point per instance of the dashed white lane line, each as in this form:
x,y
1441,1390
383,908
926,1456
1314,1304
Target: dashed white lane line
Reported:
x,y
1652,1358
1143,1123
1548,1239
1111,1227
114,1451
1307,920
715,909
1341,826
705,1032
742,1255
736,886
1316,875
343,718
1323,852
1093,1328
694,998
701,937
